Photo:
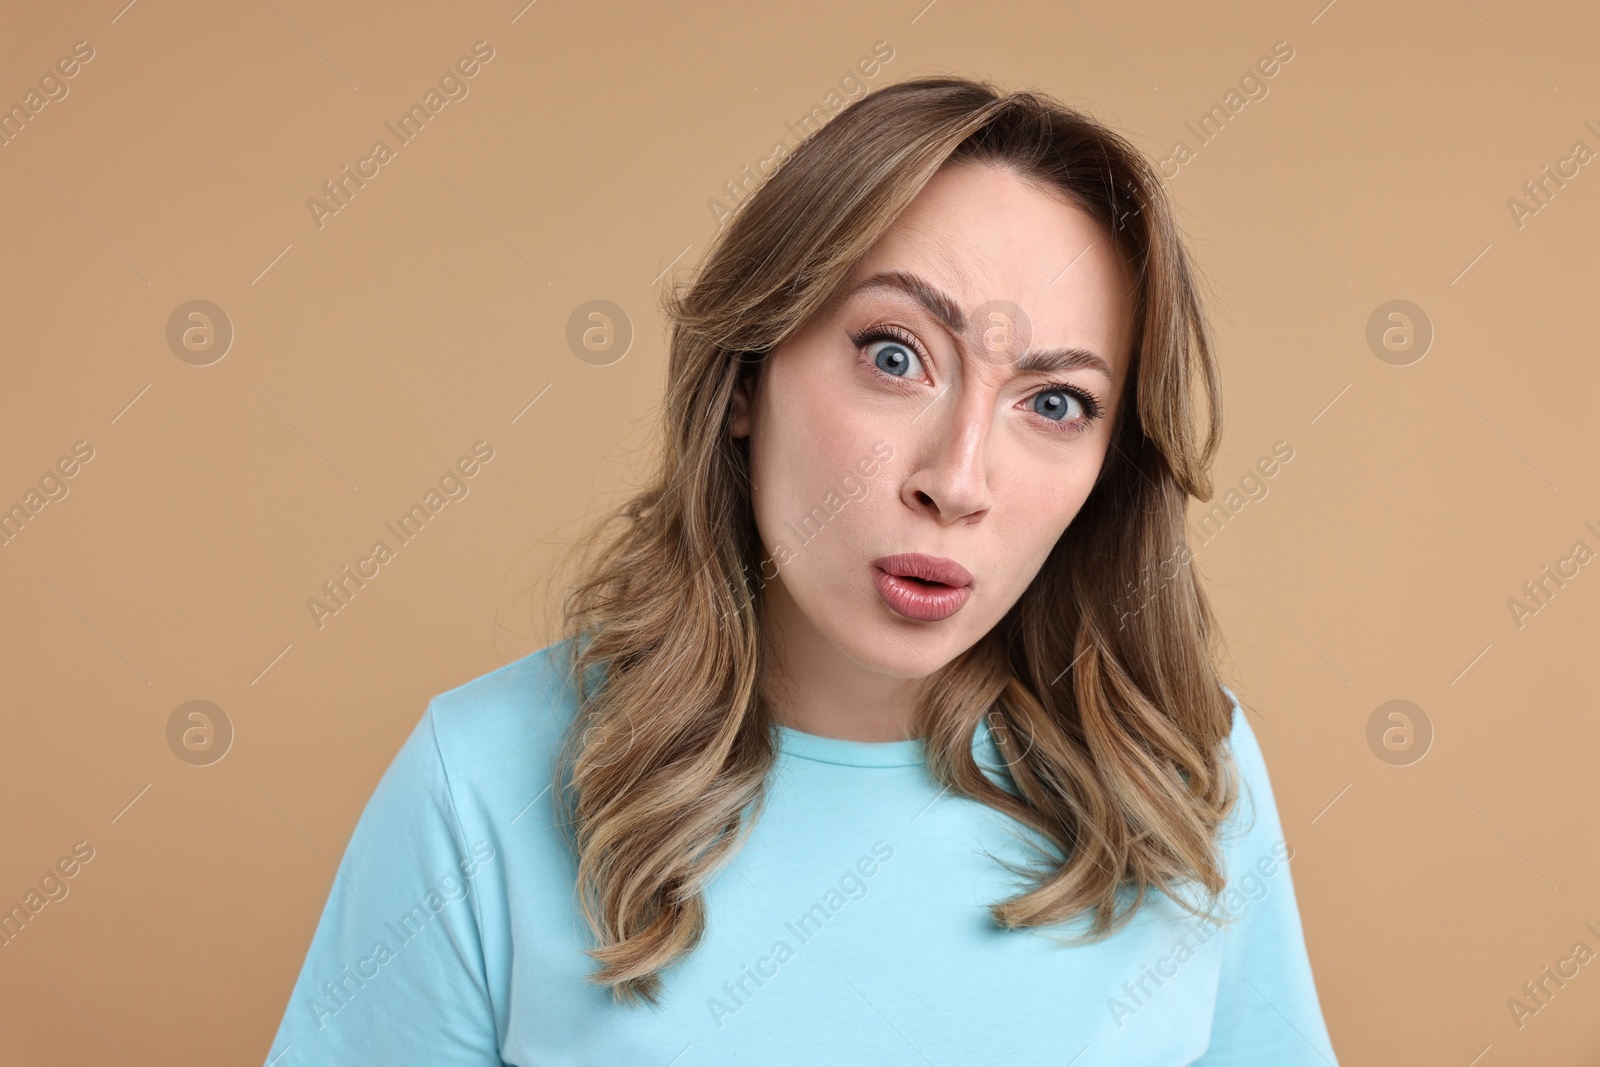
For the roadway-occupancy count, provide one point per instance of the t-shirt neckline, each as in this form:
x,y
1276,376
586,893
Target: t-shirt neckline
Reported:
x,y
849,753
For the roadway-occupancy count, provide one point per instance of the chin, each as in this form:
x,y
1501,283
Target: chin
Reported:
x,y
900,648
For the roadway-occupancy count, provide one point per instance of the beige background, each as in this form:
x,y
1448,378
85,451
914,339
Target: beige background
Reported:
x,y
432,310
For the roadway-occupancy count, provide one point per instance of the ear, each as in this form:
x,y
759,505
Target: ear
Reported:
x,y
739,417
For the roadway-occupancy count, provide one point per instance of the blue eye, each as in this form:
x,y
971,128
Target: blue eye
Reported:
x,y
1054,403
894,358
898,358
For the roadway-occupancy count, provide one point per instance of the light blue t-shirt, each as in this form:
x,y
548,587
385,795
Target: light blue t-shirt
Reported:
x,y
851,928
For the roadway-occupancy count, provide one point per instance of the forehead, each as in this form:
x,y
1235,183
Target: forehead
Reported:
x,y
981,233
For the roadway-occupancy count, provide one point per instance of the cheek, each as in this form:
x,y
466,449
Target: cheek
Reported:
x,y
1041,504
813,410
812,438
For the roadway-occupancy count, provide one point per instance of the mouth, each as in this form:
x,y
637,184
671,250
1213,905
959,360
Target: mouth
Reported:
x,y
921,587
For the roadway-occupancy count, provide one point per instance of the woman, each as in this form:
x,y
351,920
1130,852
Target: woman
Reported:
x,y
887,726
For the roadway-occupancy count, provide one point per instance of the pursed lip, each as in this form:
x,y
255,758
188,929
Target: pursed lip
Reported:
x,y
928,568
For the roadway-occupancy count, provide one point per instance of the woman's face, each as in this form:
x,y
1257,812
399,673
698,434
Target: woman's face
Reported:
x,y
906,417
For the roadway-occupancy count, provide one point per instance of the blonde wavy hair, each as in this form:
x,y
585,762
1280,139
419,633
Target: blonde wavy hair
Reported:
x,y
1100,685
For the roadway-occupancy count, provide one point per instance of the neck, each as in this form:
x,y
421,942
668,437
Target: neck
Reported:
x,y
810,685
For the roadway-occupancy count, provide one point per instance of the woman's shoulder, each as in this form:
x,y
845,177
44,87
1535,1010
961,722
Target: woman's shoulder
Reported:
x,y
1243,744
529,697
499,734
1254,828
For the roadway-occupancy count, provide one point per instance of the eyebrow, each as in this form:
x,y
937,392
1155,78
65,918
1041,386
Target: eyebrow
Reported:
x,y
943,308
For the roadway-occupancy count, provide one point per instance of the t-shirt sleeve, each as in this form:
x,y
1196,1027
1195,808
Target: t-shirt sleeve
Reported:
x,y
395,971
1267,1012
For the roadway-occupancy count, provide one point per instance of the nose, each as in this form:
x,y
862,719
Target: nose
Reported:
x,y
949,480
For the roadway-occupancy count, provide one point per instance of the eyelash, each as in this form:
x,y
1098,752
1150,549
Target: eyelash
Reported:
x,y
1092,406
